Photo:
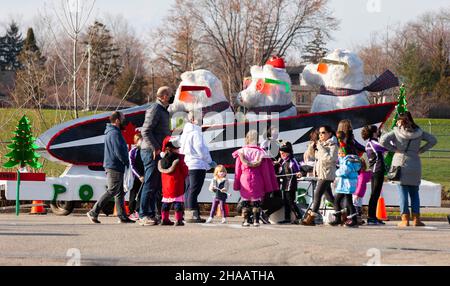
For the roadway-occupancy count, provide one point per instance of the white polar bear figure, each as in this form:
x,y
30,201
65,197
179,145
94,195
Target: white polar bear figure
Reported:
x,y
201,90
340,76
268,92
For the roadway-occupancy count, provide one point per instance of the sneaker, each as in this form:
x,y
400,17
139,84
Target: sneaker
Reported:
x,y
224,221
134,216
381,222
125,220
92,218
167,222
246,224
209,220
146,221
256,224
179,223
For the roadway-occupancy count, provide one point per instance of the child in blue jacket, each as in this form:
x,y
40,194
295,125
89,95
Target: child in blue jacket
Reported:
x,y
346,182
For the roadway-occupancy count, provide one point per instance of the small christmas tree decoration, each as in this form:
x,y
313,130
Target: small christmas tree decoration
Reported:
x,y
22,153
23,147
401,107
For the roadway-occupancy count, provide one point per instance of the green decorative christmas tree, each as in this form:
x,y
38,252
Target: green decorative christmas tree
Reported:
x,y
22,153
23,147
402,107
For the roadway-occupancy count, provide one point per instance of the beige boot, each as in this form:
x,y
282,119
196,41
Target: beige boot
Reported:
x,y
416,220
405,221
309,220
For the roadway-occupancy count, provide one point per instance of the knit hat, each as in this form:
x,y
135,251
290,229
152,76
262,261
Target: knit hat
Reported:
x,y
276,62
287,148
169,142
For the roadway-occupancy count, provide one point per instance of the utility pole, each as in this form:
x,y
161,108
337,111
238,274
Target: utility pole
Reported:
x,y
88,91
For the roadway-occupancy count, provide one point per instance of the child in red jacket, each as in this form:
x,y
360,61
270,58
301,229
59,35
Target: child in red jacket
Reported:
x,y
173,174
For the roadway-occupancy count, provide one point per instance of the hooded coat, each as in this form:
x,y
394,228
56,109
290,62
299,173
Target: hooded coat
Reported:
x,y
347,174
326,156
116,150
173,178
408,158
254,182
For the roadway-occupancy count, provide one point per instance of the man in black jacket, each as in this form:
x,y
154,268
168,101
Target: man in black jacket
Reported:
x,y
155,129
115,162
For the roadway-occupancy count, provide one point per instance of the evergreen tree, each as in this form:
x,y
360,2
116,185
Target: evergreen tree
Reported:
x,y
135,89
105,57
32,76
316,49
10,47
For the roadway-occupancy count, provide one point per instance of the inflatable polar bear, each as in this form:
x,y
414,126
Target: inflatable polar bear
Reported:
x,y
201,90
268,92
340,76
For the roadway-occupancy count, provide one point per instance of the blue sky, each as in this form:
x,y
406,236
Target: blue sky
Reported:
x,y
359,18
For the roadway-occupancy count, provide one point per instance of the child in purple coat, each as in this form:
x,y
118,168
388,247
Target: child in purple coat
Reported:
x,y
375,154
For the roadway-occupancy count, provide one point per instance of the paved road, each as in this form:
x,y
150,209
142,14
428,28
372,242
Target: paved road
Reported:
x,y
50,240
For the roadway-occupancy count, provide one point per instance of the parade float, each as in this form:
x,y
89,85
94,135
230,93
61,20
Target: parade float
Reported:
x,y
267,98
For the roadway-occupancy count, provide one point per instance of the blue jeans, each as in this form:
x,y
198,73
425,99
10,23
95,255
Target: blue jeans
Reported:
x,y
151,190
413,193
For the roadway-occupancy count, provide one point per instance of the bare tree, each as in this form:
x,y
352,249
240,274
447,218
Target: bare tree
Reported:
x,y
72,16
246,32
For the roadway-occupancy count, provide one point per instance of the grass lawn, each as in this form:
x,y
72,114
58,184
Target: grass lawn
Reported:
x,y
9,119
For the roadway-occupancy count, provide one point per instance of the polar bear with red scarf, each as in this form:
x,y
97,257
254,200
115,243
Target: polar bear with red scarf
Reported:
x,y
268,93
201,90
340,77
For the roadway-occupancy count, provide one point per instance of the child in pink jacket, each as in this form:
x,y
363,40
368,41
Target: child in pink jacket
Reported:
x,y
254,177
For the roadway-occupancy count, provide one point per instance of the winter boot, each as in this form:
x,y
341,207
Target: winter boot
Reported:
x,y
165,218
405,221
256,214
309,220
179,218
337,220
416,220
246,215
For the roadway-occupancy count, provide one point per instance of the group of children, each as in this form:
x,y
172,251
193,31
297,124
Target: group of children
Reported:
x,y
254,179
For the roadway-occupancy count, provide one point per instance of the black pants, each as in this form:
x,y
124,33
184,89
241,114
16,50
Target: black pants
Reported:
x,y
347,199
135,196
272,202
323,188
194,187
290,205
114,181
377,186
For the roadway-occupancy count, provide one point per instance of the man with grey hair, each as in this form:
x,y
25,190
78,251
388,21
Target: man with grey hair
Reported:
x,y
155,129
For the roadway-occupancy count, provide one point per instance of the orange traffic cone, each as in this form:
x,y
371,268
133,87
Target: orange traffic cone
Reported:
x,y
219,212
127,210
381,210
38,208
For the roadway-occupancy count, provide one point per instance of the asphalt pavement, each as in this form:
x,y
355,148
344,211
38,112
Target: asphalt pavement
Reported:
x,y
73,240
